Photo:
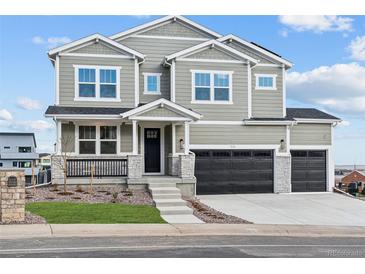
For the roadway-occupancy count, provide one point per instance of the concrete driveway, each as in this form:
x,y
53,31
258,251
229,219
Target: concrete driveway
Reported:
x,y
308,209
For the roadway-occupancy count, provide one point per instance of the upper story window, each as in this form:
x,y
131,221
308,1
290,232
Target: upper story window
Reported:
x,y
93,83
6,147
152,83
212,87
25,149
266,81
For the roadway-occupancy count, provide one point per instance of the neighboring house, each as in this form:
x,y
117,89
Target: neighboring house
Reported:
x,y
172,97
354,176
44,160
18,150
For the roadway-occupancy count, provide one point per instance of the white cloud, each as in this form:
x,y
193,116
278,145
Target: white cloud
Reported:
x,y
344,123
50,42
357,48
5,115
27,103
284,33
317,23
37,125
45,147
339,88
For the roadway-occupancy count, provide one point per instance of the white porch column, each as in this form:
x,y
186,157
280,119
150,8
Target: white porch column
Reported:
x,y
135,137
59,136
186,137
173,129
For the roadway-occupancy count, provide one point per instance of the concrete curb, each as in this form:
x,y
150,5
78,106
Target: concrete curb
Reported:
x,y
136,230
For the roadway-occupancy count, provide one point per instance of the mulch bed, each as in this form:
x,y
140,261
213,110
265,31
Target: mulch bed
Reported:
x,y
210,215
99,194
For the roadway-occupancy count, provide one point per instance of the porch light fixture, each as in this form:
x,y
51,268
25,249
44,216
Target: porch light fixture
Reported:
x,y
282,144
181,143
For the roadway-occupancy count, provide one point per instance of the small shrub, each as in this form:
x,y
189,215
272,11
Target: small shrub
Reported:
x,y
76,198
115,196
79,189
65,193
55,188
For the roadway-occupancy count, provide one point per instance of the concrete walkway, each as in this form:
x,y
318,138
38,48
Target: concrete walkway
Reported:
x,y
307,209
133,230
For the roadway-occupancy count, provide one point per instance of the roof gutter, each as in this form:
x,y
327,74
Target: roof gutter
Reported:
x,y
269,123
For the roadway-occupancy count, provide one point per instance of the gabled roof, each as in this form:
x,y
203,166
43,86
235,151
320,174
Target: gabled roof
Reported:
x,y
165,103
92,37
31,134
163,20
254,46
309,113
209,44
53,111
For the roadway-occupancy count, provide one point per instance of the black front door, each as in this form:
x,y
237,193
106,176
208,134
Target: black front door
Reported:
x,y
152,149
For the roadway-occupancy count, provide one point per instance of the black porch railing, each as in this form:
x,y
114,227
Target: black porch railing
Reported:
x,y
101,167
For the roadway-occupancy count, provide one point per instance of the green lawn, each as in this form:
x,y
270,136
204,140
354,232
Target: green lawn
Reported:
x,y
83,213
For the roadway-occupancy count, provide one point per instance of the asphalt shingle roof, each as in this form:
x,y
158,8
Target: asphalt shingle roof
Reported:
x,y
54,110
308,113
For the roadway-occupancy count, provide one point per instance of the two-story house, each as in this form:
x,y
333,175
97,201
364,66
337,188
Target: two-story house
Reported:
x,y
174,98
18,150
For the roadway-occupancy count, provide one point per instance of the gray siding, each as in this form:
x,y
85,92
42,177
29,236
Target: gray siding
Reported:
x,y
236,135
311,134
156,50
68,137
211,53
168,145
126,138
267,103
179,131
99,48
161,112
67,80
177,29
235,112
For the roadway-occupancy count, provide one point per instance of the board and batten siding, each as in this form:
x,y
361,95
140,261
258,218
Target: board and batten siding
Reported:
x,y
155,50
311,134
67,81
227,112
68,137
160,112
236,135
267,103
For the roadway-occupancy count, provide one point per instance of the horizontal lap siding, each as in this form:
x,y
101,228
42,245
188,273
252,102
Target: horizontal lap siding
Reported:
x,y
67,80
155,50
99,48
311,134
68,137
236,135
126,138
161,112
211,53
267,103
236,111
252,53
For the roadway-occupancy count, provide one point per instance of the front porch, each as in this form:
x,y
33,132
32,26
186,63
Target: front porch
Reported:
x,y
151,140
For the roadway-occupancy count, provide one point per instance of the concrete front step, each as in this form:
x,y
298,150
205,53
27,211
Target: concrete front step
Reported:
x,y
159,185
166,196
163,202
175,210
164,190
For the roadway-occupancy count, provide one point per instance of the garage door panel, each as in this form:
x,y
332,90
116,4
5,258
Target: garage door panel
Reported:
x,y
309,171
234,171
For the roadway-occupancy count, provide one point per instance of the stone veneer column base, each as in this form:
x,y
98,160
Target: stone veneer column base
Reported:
x,y
173,165
186,166
282,173
134,166
12,198
56,167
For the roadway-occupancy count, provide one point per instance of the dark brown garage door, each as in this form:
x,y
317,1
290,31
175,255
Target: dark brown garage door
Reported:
x,y
308,170
234,171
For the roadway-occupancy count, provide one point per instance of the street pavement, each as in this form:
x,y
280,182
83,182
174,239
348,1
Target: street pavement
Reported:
x,y
183,246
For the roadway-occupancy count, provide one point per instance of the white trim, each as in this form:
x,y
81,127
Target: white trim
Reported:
x,y
97,55
57,79
162,102
191,50
212,87
310,147
269,65
134,137
169,37
172,80
233,146
173,129
273,76
83,116
186,138
210,60
136,83
59,137
316,121
249,91
162,148
284,90
267,122
287,137
96,37
97,83
158,77
252,46
162,20
207,122
158,118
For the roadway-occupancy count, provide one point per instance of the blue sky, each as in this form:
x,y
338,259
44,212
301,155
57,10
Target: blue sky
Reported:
x,y
328,53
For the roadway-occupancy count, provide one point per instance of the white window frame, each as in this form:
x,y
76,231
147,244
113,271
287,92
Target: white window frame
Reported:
x,y
87,140
97,83
109,140
212,101
146,91
273,76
